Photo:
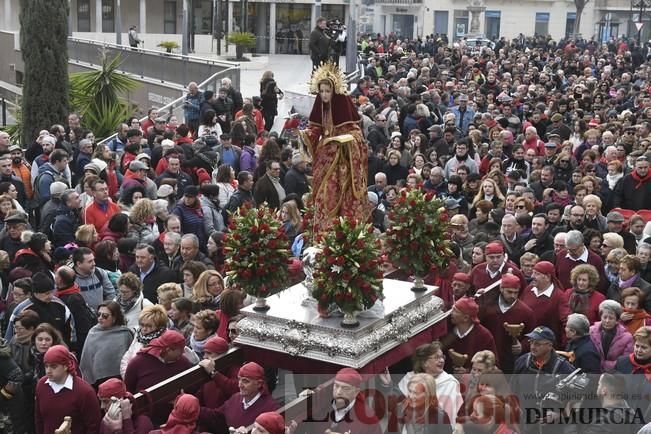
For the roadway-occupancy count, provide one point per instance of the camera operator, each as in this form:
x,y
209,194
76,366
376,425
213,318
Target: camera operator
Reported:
x,y
534,376
319,43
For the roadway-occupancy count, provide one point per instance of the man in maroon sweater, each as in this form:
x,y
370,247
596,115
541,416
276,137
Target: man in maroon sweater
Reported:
x,y
347,412
508,310
547,300
62,393
576,253
486,273
467,336
241,409
161,359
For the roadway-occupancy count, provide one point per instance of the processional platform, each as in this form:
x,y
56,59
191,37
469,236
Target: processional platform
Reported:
x,y
292,334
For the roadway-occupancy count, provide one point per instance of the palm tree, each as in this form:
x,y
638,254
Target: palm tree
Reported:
x,y
95,95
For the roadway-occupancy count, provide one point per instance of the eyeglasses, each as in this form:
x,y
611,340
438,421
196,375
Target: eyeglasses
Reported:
x,y
605,245
520,207
103,315
565,161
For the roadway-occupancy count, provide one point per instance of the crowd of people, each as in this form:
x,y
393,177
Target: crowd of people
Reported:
x,y
112,262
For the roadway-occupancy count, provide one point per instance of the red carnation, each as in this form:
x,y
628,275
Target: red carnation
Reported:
x,y
346,276
340,261
412,202
444,217
330,260
429,196
339,235
247,274
254,229
359,244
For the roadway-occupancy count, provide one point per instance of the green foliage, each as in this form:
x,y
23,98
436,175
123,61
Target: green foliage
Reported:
x,y
43,44
15,130
242,39
168,45
95,96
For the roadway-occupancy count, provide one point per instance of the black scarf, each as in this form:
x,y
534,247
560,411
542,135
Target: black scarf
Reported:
x,y
146,339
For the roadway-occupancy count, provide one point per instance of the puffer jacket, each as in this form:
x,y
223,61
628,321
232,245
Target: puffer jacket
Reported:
x,y
622,344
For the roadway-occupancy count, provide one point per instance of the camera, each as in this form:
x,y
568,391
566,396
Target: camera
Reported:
x,y
334,28
574,384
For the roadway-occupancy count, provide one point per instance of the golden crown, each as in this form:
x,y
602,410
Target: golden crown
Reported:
x,y
331,72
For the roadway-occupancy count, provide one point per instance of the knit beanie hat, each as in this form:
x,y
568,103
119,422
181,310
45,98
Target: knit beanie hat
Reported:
x,y
41,283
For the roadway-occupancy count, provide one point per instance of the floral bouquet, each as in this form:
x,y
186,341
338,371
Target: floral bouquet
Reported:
x,y
416,239
348,271
257,253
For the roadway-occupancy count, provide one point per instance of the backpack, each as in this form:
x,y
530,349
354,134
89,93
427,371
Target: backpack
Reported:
x,y
55,178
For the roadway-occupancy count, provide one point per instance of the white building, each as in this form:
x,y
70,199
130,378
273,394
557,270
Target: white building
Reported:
x,y
271,21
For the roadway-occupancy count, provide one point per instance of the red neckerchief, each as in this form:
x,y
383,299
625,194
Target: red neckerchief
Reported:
x,y
74,289
645,369
639,180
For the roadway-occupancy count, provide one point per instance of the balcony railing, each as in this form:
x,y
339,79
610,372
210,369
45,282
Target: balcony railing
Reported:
x,y
399,2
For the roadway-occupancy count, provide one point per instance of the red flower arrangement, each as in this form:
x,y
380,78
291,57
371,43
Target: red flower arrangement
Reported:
x,y
416,239
256,250
348,272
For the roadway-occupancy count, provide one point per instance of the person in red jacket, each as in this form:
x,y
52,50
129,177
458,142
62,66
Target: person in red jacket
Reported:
x,y
62,393
467,336
547,300
214,393
509,310
102,209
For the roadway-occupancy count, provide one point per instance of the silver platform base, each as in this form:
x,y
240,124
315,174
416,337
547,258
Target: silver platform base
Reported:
x,y
293,326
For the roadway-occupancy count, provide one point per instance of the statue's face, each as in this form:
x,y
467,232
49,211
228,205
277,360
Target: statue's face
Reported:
x,y
325,91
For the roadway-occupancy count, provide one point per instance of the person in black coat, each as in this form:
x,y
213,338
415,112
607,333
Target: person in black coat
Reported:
x,y
70,294
633,191
393,169
152,273
269,94
67,219
268,188
319,43
295,178
586,356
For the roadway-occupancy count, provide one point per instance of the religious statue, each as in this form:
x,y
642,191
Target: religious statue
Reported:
x,y
334,143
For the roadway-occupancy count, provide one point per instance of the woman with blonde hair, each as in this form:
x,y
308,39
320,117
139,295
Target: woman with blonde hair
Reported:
x,y
490,191
152,322
291,220
207,290
86,236
593,217
143,225
420,409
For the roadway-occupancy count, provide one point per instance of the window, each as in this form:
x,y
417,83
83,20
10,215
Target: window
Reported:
x,y
460,23
441,22
169,18
569,24
83,15
108,16
542,23
492,25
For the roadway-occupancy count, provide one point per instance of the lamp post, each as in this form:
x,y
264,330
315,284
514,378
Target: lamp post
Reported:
x,y
640,6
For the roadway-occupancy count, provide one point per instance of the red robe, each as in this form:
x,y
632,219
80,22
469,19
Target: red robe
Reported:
x,y
478,339
493,319
80,403
481,279
551,312
214,393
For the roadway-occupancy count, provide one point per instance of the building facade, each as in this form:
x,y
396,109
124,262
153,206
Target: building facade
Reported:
x,y
283,27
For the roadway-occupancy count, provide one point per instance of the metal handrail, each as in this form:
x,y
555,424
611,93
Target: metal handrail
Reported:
x,y
157,53
170,106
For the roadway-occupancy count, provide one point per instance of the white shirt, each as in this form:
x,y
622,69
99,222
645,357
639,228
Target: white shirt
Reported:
x,y
461,336
246,405
547,292
339,415
56,387
583,257
503,306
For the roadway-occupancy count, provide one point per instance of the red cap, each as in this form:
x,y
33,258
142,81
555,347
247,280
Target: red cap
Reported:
x,y
510,281
468,306
216,345
169,339
494,248
272,422
461,277
251,370
203,175
59,355
545,267
349,376
112,387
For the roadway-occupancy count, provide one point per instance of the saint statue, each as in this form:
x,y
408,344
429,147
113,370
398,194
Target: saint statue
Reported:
x,y
334,142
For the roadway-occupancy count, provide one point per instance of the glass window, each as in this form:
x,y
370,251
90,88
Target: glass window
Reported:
x,y
169,25
83,15
460,23
108,16
569,24
293,28
542,23
492,24
441,22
